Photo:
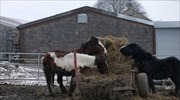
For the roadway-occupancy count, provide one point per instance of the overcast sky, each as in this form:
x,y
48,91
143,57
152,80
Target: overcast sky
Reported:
x,y
30,10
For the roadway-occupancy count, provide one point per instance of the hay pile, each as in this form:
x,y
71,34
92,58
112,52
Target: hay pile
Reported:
x,y
95,86
118,64
103,87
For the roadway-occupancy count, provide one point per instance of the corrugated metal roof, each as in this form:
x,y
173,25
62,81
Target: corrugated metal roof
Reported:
x,y
10,22
167,24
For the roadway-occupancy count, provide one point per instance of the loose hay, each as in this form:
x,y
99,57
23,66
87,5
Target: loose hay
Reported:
x,y
118,64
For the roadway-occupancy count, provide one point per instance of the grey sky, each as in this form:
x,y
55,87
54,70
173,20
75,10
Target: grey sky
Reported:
x,y
30,10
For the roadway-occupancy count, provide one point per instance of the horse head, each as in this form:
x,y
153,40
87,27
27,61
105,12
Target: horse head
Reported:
x,y
93,47
131,50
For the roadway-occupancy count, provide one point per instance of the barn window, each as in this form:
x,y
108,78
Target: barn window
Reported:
x,y
82,18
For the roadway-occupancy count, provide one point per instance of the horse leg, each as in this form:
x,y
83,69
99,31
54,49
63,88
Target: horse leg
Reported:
x,y
177,84
60,81
151,84
50,81
72,85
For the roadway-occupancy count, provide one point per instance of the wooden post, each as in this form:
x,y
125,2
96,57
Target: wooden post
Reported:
x,y
75,63
76,73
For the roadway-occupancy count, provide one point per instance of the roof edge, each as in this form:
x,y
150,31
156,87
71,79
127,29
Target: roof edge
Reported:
x,y
143,21
87,8
167,24
66,13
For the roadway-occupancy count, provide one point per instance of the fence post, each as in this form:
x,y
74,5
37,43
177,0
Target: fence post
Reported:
x,y
38,65
9,59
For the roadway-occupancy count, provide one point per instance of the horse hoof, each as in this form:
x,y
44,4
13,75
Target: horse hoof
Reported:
x,y
52,94
64,92
154,92
70,94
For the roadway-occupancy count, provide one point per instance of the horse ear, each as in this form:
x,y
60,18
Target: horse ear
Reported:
x,y
93,37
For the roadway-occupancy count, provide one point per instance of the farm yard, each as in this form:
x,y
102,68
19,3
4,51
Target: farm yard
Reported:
x,y
27,81
89,53
37,90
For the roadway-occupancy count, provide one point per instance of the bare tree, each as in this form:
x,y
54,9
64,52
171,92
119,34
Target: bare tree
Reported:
x,y
118,6
137,7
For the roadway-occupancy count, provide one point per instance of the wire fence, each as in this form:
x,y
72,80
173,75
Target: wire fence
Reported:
x,y
26,68
23,68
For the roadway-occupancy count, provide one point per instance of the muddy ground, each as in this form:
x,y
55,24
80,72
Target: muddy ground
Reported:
x,y
35,92
25,92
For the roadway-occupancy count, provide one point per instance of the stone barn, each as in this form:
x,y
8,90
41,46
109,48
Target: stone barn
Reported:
x,y
68,30
9,35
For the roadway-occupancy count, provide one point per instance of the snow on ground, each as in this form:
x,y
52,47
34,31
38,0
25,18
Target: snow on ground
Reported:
x,y
24,74
32,74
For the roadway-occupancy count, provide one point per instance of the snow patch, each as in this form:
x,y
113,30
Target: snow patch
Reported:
x,y
22,74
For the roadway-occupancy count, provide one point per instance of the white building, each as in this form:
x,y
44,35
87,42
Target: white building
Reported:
x,y
167,38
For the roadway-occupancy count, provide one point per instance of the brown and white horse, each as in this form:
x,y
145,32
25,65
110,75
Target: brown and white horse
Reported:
x,y
92,47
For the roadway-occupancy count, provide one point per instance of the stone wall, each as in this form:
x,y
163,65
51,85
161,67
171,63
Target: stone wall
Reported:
x,y
9,39
3,32
66,33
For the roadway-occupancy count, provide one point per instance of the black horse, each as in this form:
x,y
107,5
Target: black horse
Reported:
x,y
153,67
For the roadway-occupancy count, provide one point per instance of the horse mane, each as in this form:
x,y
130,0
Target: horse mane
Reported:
x,y
141,54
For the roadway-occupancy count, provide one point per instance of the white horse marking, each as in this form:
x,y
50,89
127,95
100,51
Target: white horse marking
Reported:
x,y
67,62
105,51
122,46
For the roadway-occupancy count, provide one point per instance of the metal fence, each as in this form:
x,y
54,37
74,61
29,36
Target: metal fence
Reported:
x,y
32,58
23,68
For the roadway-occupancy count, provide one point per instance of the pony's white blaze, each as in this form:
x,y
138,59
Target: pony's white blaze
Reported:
x,y
122,46
67,62
105,51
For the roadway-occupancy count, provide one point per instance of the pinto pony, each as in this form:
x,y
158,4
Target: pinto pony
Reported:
x,y
92,47
153,67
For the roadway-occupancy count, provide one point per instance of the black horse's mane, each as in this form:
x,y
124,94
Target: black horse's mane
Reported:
x,y
142,54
